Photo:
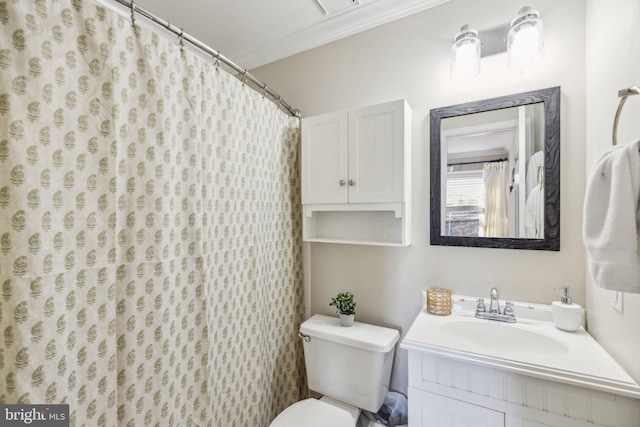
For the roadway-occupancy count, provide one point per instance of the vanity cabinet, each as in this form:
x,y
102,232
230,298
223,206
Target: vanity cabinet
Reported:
x,y
436,410
465,371
356,170
444,392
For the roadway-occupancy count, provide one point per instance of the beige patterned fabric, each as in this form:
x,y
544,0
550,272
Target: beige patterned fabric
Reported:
x,y
149,228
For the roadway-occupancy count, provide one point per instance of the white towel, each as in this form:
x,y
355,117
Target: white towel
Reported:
x,y
612,219
534,214
532,179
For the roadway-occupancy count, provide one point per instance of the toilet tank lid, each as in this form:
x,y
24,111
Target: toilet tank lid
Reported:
x,y
362,335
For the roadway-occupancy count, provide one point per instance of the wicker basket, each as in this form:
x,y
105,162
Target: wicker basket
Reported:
x,y
439,301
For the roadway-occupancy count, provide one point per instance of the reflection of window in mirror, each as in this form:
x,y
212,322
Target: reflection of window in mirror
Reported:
x,y
464,202
484,156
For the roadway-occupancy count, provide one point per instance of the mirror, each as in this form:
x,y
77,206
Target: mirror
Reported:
x,y
495,172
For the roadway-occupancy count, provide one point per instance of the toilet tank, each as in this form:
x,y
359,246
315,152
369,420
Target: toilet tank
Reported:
x,y
349,364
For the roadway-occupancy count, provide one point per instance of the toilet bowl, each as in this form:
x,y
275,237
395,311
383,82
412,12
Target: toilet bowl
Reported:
x,y
349,366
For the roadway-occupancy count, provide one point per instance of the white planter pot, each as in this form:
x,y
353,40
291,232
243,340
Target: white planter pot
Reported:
x,y
347,319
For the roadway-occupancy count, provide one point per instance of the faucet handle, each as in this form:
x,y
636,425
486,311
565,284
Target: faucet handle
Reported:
x,y
508,309
480,308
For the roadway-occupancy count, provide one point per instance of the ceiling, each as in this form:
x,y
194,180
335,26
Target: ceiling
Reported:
x,y
256,32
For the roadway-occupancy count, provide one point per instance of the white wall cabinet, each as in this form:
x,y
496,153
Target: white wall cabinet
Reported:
x,y
325,158
356,175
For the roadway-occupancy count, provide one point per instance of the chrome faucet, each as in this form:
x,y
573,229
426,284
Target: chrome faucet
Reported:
x,y
494,310
494,300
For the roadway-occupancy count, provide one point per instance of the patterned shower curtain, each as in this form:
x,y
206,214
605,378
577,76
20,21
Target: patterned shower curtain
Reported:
x,y
149,228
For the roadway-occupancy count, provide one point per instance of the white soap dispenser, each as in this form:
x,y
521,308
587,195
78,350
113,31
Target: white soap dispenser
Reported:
x,y
566,315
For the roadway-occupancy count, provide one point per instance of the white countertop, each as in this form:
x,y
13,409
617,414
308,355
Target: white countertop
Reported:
x,y
573,357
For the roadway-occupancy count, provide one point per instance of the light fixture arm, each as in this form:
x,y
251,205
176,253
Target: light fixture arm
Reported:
x,y
524,14
465,32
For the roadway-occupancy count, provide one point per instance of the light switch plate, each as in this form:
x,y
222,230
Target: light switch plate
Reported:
x,y
615,298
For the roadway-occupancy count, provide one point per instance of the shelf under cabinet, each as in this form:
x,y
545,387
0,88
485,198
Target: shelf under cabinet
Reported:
x,y
366,224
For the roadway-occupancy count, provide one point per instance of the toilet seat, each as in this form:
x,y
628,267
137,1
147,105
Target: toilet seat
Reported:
x,y
313,413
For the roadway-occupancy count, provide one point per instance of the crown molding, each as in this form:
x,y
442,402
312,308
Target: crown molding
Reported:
x,y
365,17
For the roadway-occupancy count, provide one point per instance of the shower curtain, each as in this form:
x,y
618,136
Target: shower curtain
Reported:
x,y
149,227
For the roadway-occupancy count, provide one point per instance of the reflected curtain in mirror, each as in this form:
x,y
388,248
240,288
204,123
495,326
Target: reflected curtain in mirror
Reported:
x,y
496,219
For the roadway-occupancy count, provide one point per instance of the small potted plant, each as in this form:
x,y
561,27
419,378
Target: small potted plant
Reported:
x,y
344,304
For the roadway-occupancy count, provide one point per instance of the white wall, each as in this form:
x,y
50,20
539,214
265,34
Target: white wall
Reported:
x,y
613,62
409,59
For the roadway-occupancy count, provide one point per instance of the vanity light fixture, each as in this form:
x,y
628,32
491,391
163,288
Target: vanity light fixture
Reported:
x,y
525,39
465,53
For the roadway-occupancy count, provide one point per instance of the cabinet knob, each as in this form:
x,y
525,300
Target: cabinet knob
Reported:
x,y
342,182
351,182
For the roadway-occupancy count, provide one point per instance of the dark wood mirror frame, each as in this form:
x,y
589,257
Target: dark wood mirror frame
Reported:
x,y
551,99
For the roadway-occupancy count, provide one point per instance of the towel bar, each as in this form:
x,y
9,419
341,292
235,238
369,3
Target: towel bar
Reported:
x,y
624,94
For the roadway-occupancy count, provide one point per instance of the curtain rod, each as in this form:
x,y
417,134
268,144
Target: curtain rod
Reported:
x,y
477,162
243,74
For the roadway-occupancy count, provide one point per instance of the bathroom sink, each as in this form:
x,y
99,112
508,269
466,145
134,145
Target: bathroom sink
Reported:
x,y
532,346
502,337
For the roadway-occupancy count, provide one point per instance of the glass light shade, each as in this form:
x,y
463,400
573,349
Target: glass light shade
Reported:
x,y
465,54
525,39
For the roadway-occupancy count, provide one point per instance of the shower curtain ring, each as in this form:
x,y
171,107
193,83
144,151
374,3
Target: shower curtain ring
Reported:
x,y
133,13
264,90
217,63
181,39
244,77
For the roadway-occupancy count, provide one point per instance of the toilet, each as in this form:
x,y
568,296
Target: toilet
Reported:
x,y
349,366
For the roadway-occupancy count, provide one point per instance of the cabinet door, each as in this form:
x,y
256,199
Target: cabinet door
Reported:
x,y
440,411
324,158
377,153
